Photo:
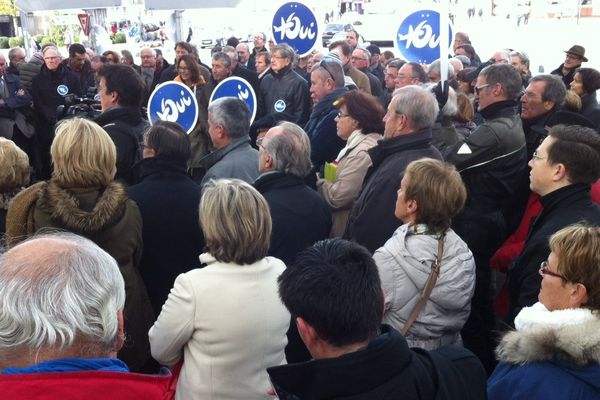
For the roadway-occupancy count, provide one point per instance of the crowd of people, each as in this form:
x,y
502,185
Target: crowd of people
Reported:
x,y
377,231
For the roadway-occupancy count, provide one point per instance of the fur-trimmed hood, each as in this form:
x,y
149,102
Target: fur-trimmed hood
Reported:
x,y
567,335
84,211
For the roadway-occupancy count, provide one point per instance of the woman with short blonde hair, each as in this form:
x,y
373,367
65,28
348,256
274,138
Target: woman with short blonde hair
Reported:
x,y
83,154
430,195
82,197
554,352
226,320
14,175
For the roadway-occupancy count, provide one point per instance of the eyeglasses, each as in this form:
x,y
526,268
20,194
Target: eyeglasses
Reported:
x,y
340,115
278,57
535,156
544,270
574,57
479,88
353,58
323,65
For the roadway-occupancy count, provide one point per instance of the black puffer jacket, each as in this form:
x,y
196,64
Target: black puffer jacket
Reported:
x,y
288,89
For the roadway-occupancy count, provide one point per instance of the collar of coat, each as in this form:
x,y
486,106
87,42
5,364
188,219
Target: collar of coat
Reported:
x,y
568,335
66,206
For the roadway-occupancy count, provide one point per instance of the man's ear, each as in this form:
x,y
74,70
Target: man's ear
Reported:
x,y
560,172
120,332
307,332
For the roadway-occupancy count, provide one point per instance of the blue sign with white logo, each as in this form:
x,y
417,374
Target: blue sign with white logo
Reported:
x,y
175,102
296,24
418,37
62,90
235,86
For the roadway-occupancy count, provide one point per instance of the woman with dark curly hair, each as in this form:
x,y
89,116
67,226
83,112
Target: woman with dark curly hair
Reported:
x,y
360,124
585,83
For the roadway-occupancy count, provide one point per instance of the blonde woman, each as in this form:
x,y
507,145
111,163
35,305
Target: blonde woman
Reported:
x,y
225,321
82,197
14,175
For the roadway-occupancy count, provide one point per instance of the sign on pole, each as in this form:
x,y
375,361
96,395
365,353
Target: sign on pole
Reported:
x,y
84,20
296,24
235,86
418,37
175,102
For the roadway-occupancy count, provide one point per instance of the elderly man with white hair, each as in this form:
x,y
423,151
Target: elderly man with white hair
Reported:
x,y
61,323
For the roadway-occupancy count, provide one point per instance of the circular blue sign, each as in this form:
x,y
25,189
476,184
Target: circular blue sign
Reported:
x,y
279,106
62,90
235,86
296,24
175,102
418,37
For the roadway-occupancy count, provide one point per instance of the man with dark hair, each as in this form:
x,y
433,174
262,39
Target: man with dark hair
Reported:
x,y
543,97
410,73
333,291
233,157
173,240
352,38
80,66
121,90
344,51
493,164
468,51
562,169
375,65
260,40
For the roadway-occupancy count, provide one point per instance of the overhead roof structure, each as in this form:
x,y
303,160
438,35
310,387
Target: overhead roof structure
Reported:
x,y
189,4
49,5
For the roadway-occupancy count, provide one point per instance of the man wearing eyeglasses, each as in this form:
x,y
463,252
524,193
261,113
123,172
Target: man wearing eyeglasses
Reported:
x,y
361,60
48,90
563,167
573,59
493,164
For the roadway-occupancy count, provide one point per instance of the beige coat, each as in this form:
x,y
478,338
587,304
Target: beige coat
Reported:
x,y
351,171
228,323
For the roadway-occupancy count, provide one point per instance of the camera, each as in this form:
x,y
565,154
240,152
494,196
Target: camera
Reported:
x,y
84,107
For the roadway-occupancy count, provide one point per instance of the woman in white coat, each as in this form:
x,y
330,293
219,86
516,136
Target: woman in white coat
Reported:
x,y
226,320
430,195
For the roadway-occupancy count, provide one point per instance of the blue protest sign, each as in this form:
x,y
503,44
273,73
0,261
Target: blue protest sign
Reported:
x,y
235,86
296,24
418,37
175,102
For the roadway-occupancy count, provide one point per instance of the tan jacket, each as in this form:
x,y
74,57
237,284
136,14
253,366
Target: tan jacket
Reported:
x,y
351,171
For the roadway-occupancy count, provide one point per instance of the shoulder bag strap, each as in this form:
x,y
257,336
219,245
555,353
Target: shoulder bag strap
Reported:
x,y
429,285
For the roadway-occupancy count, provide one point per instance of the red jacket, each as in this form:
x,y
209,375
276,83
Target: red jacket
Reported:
x,y
89,385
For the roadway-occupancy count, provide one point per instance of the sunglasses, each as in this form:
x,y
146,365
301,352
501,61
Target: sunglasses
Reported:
x,y
323,65
478,89
544,270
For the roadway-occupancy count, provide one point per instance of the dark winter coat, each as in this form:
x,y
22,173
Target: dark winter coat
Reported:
x,y
321,129
372,221
112,221
125,127
590,109
563,207
44,91
168,201
385,369
300,215
286,89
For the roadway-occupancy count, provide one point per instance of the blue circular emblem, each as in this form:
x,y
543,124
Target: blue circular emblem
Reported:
x,y
62,90
279,105
175,102
418,37
296,24
235,86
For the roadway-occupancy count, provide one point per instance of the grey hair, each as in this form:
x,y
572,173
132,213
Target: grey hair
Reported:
x,y
436,68
148,48
522,56
507,76
12,53
334,67
554,90
231,52
68,290
418,104
450,109
232,114
290,150
49,47
285,49
364,50
223,57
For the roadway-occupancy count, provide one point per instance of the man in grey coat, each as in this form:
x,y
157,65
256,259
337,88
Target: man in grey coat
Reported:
x,y
233,157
